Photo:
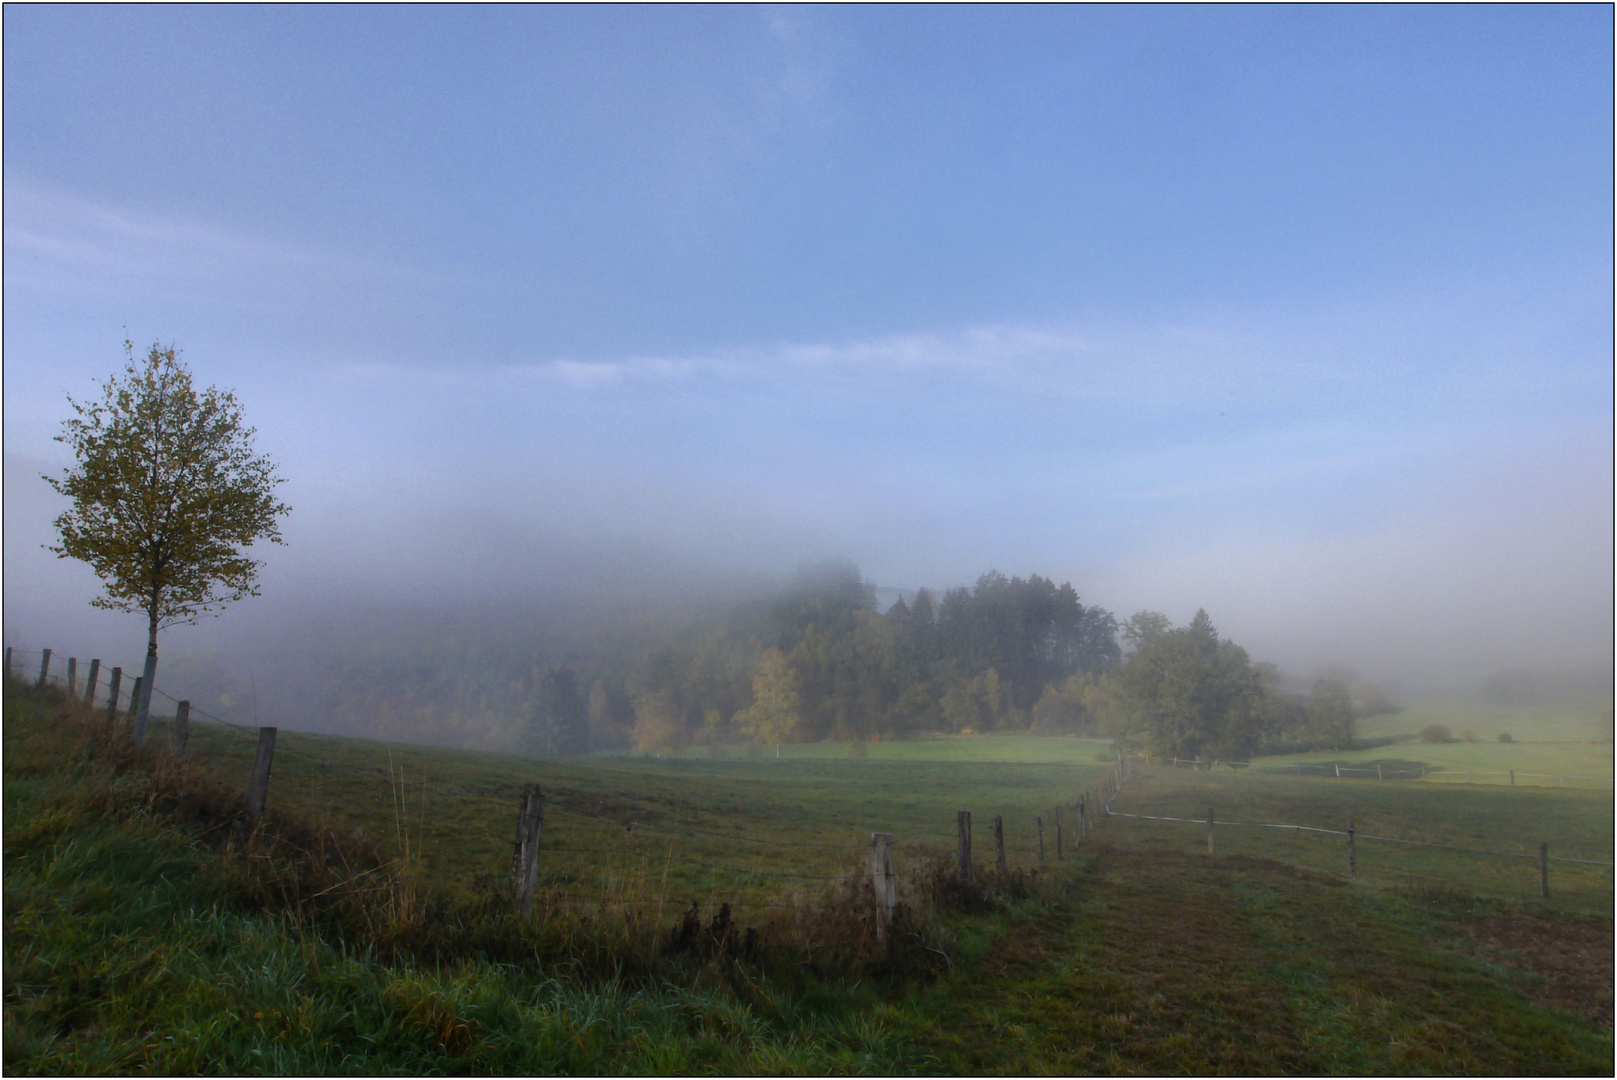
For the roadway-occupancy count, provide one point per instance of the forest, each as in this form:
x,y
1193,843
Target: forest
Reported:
x,y
819,662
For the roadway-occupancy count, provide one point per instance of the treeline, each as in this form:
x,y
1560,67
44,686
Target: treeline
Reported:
x,y
820,662
730,664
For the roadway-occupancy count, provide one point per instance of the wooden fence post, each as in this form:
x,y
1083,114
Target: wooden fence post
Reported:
x,y
962,824
525,856
72,677
1057,813
1209,830
90,681
8,661
182,726
1082,823
112,694
44,666
1513,778
258,786
883,882
1339,770
1353,856
1378,772
1039,821
134,700
1544,870
999,843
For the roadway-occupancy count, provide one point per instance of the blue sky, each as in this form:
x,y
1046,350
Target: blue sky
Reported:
x,y
1300,314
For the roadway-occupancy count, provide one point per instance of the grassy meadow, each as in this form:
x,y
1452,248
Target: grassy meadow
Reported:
x,y
144,934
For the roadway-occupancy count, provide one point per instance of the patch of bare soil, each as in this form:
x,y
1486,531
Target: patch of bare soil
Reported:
x,y
1573,956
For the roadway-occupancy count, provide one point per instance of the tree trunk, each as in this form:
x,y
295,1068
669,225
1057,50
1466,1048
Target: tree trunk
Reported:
x,y
143,707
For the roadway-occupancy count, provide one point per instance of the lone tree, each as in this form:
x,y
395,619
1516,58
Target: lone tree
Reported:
x,y
167,493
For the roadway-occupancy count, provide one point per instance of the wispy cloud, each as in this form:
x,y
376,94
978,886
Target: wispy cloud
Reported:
x,y
58,240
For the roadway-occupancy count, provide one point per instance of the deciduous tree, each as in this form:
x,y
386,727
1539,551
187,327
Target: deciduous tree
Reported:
x,y
777,705
167,494
1186,693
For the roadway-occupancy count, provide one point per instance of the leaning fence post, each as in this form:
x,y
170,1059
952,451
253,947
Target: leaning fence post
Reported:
x,y
90,681
134,700
182,725
1039,821
525,859
1378,772
44,666
72,677
1513,778
1544,870
962,823
1209,830
1353,857
883,882
112,694
258,786
999,843
1339,770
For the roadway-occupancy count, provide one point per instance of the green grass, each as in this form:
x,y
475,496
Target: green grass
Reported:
x,y
132,943
707,830
1575,824
1553,746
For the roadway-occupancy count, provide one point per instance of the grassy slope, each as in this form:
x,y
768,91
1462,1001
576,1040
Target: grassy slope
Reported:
x,y
1146,955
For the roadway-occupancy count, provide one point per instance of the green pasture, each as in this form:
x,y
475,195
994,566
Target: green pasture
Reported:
x,y
1506,823
727,824
1139,953
1552,746
752,830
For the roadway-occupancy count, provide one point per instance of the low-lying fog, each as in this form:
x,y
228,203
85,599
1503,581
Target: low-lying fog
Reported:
x,y
1496,565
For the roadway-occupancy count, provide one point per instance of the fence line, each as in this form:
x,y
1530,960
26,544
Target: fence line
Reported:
x,y
1107,789
1107,806
733,875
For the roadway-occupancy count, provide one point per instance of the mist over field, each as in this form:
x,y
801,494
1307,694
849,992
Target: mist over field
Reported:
x,y
1327,355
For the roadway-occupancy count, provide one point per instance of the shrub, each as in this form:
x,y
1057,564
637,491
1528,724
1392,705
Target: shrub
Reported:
x,y
1436,733
1504,736
1468,736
